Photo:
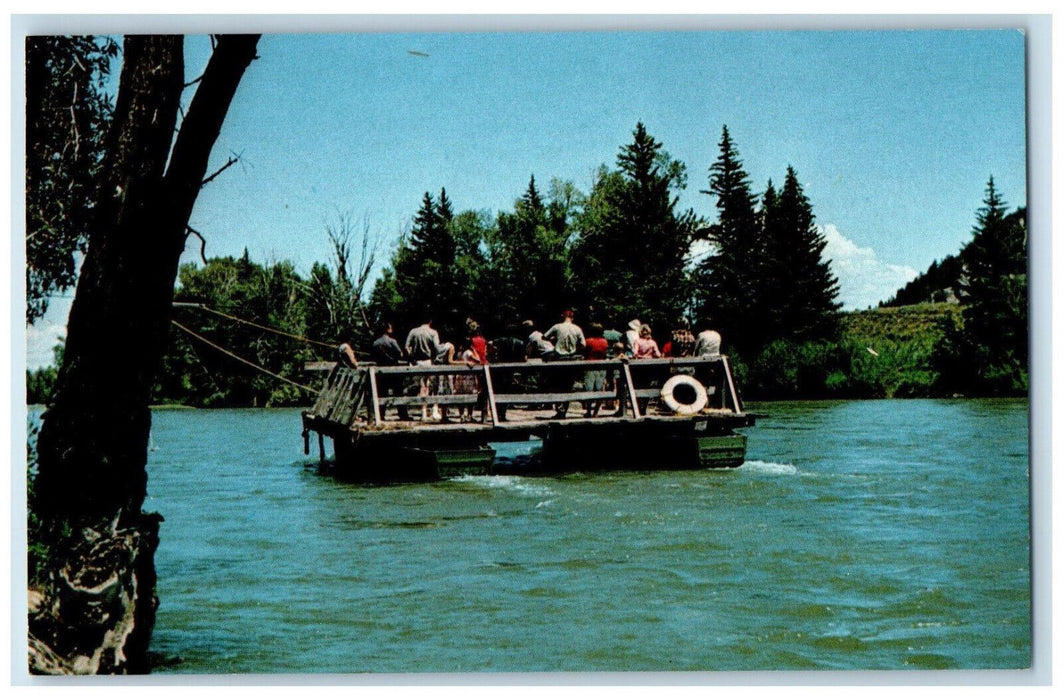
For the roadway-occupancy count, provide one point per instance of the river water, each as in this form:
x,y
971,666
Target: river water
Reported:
x,y
857,535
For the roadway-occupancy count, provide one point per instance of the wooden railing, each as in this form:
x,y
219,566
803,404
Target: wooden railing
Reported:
x,y
365,394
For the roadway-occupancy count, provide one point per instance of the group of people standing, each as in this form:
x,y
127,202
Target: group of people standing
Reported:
x,y
564,340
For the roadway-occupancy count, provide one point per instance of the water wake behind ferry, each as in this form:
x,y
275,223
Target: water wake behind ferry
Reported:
x,y
760,467
516,484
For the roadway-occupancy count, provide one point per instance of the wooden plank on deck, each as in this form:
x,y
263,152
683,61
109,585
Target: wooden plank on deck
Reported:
x,y
431,400
555,397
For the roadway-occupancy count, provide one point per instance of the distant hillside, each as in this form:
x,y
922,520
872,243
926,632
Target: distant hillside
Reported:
x,y
941,281
918,323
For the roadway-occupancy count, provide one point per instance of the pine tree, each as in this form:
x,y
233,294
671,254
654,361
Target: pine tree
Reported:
x,y
728,279
444,210
529,261
995,332
772,297
531,200
768,203
430,240
425,285
799,291
629,259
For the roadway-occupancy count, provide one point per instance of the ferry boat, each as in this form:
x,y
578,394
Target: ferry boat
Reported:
x,y
416,423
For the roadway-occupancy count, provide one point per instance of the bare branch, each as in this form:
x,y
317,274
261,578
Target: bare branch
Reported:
x,y
344,298
339,236
233,160
201,126
365,317
202,240
368,257
193,82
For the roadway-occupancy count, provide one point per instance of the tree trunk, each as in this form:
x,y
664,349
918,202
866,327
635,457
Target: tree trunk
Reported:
x,y
93,444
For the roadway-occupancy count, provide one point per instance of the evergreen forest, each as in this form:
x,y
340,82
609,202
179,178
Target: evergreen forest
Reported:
x,y
755,271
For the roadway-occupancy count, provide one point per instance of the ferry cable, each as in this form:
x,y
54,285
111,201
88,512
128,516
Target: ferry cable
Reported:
x,y
206,308
246,362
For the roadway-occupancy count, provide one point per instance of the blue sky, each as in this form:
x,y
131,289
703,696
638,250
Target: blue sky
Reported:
x,y
892,133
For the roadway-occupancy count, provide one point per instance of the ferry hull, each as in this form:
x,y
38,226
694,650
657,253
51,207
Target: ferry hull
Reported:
x,y
566,448
721,451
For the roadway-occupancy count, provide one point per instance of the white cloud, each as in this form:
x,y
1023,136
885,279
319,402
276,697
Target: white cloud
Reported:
x,y
863,279
45,334
699,250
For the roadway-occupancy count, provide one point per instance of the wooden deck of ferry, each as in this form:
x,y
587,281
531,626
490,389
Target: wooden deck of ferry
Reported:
x,y
382,429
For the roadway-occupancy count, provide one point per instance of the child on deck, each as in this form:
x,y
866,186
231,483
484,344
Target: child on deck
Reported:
x,y
474,352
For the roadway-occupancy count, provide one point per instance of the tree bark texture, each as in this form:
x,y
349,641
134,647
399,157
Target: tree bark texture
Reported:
x,y
93,443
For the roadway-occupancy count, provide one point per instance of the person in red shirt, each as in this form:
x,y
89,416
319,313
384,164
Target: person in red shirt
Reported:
x,y
596,348
474,353
478,342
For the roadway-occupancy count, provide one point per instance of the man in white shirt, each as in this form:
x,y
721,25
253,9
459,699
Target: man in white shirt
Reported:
x,y
568,345
567,337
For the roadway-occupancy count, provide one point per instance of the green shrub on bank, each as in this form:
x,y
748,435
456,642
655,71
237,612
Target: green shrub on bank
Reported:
x,y
881,353
894,351
792,370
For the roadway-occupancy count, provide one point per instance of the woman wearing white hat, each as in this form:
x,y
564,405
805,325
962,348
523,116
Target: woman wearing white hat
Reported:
x,y
632,335
707,345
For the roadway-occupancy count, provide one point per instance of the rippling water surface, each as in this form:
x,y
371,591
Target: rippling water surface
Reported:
x,y
858,535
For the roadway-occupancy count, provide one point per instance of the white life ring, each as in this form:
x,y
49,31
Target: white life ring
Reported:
x,y
701,396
